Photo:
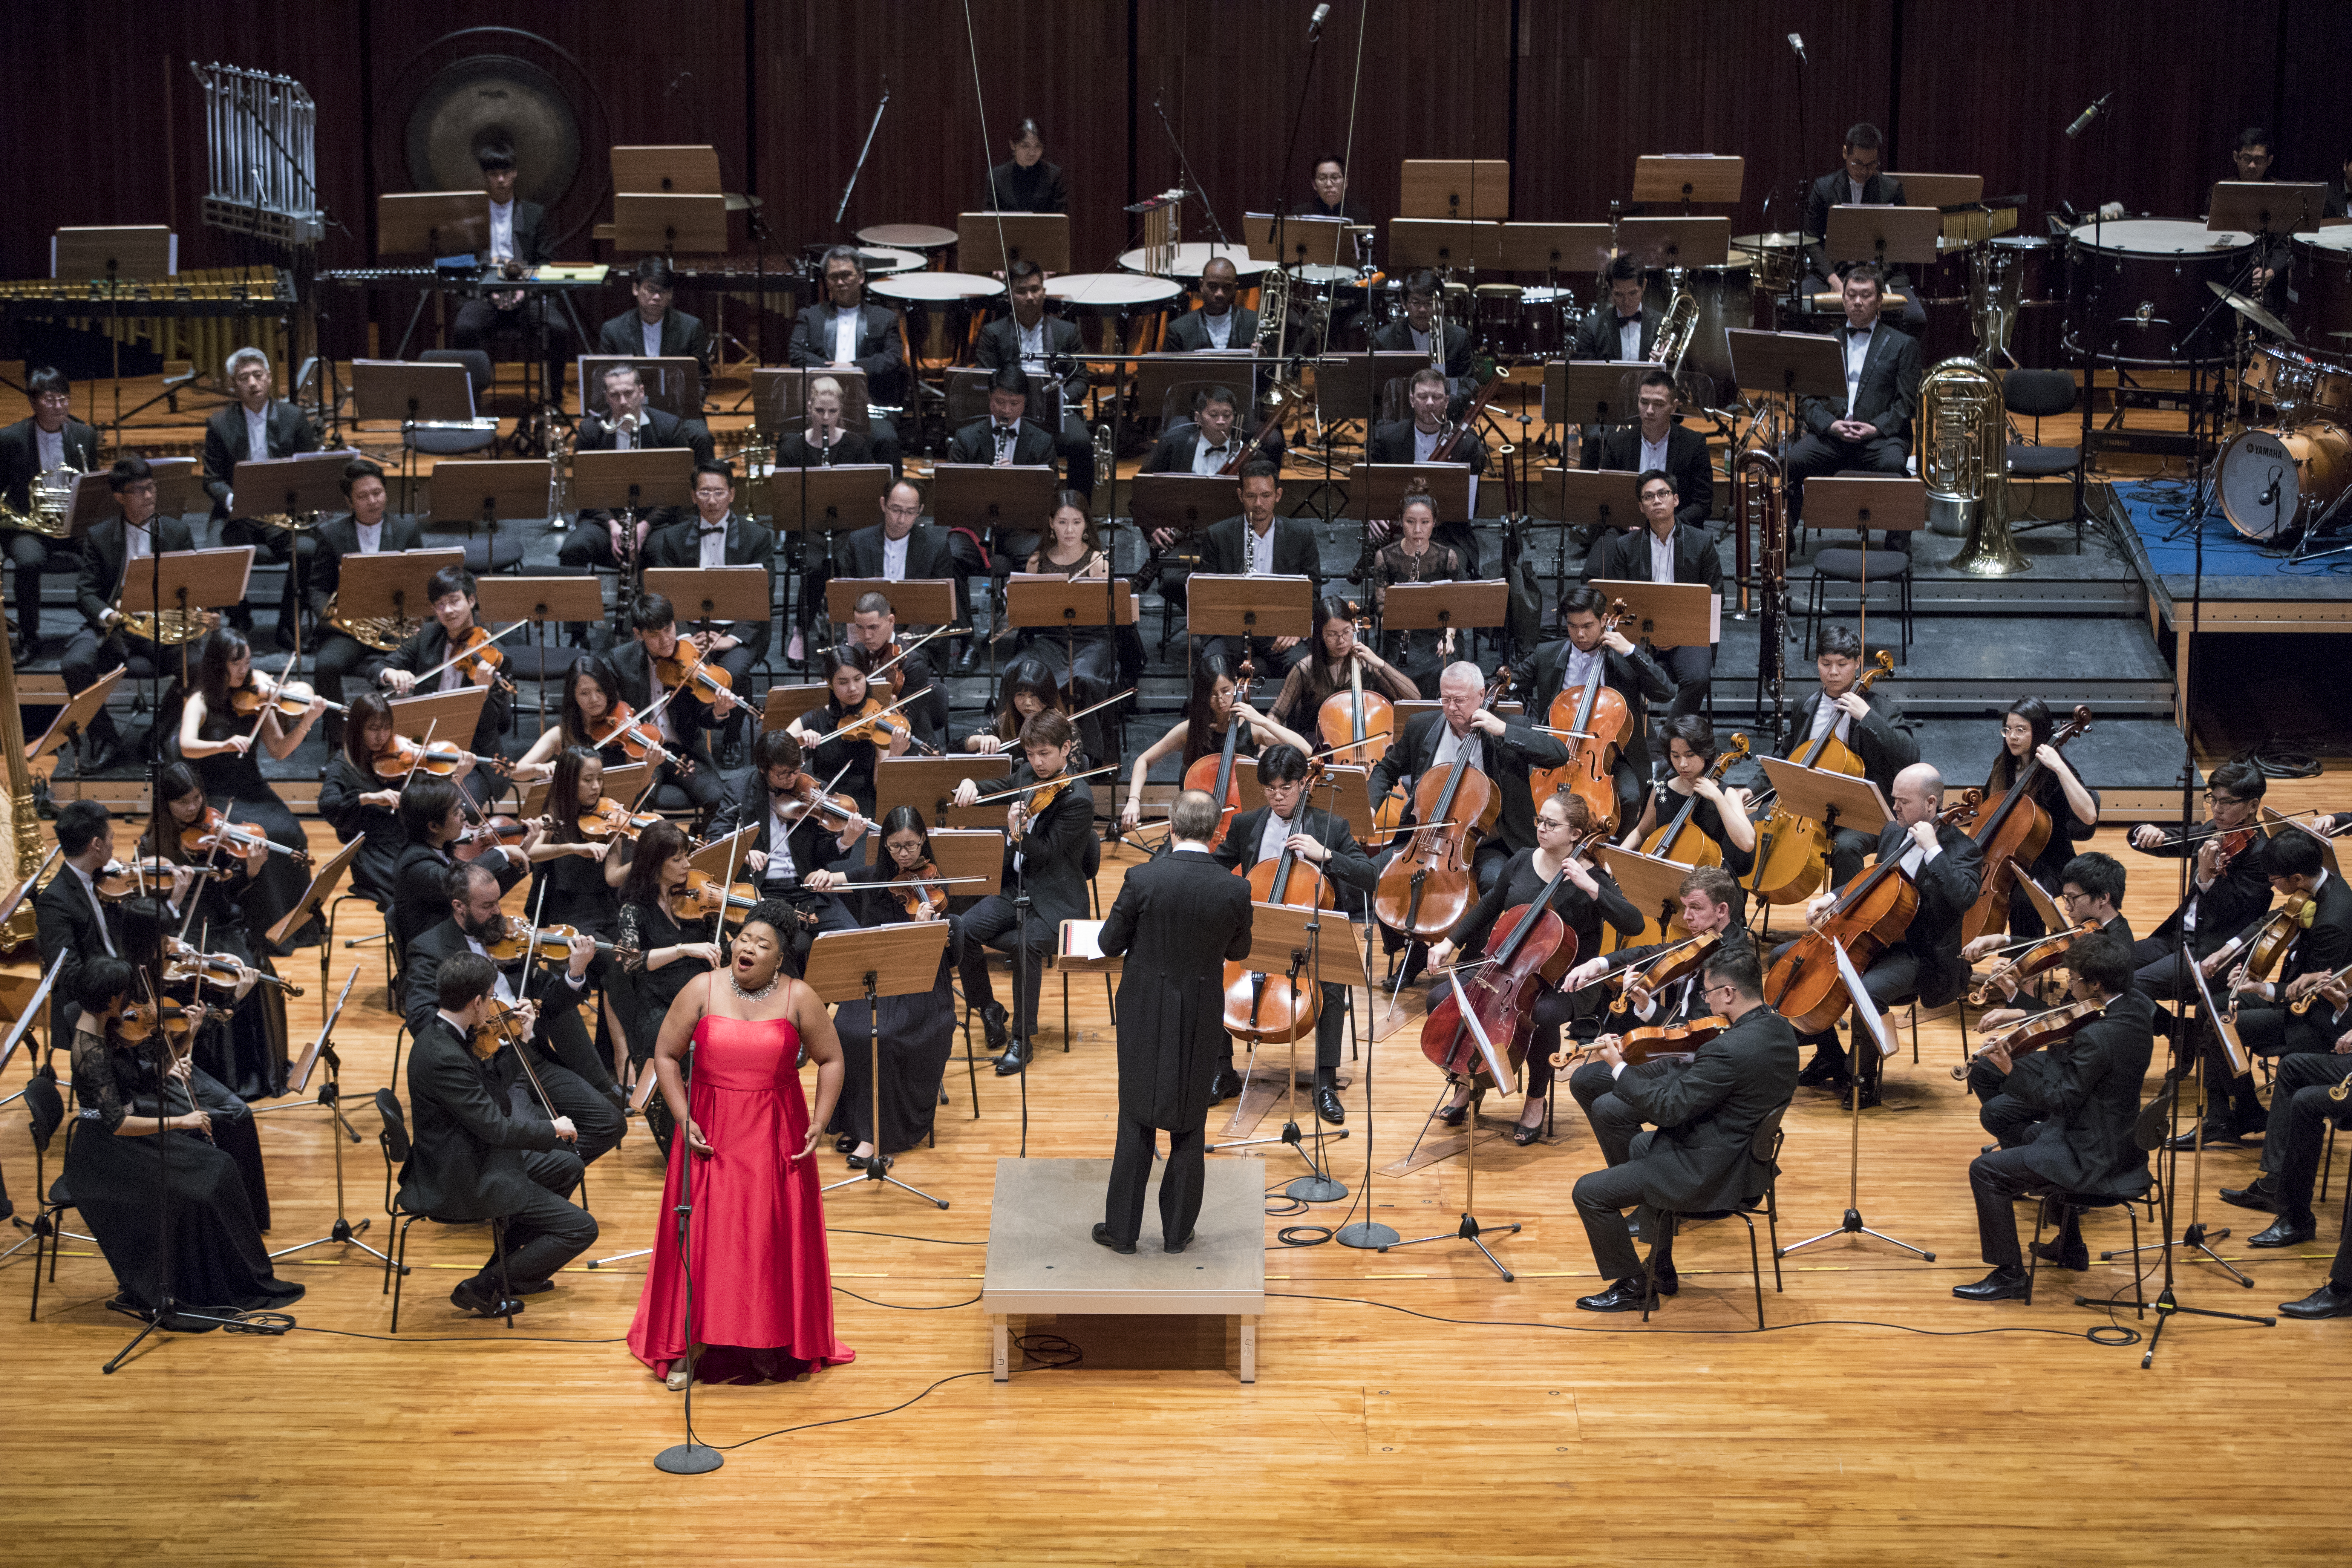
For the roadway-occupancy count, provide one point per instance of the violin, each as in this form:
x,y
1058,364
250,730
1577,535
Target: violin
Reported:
x,y
2268,942
1426,887
1356,725
1655,1042
872,722
2013,833
1793,851
710,896
2044,954
608,818
1679,961
621,726
2301,1004
554,942
2233,844
687,667
1680,840
139,1022
919,900
2042,1029
812,801
480,661
222,969
289,698
441,758
1529,945
1213,776
1287,1008
1598,714
1871,914
199,836
117,879
490,833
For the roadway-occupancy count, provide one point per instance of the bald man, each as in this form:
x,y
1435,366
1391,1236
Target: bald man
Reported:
x,y
1926,963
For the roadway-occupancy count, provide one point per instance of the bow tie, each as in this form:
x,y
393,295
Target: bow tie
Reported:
x,y
1857,331
707,530
1006,432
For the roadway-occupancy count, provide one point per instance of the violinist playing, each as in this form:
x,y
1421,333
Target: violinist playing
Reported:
x,y
2229,884
576,876
1869,722
2321,945
1710,901
874,626
2072,805
219,740
1026,688
432,645
2075,1103
1323,674
251,1060
2091,889
73,920
918,1029
671,937
1416,557
1590,651
1586,898
1948,867
639,666
589,717
1718,813
713,537
1706,1113
795,857
360,804
1219,701
433,813
844,760
1329,850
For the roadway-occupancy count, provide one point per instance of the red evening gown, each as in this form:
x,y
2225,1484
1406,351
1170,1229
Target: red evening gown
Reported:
x,y
762,1278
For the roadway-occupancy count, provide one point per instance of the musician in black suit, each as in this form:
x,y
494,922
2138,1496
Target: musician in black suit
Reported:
x,y
1006,438
714,536
1324,846
471,1158
1947,867
1177,920
1659,441
847,331
1665,550
1209,440
518,233
1049,853
579,1082
1505,749
368,528
1410,333
2297,868
656,328
2303,1101
1706,1113
108,551
1331,199
451,591
1025,182
1859,182
1257,544
51,438
1710,901
2087,1090
799,860
1870,428
2090,888
71,921
911,677
654,635
1049,350
1624,328
628,424
431,818
903,548
2252,159
257,426
1418,439
1869,723
1218,321
1623,664
2228,886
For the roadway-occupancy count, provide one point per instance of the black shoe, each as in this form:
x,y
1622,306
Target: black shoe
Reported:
x,y
1453,1115
1869,1092
861,1161
2219,1134
991,1024
1224,1085
2257,1197
1625,1295
532,1287
2056,1253
1524,1134
845,1143
2000,1285
1327,1104
481,1300
1103,1237
1016,1057
2285,1233
1670,1283
1174,1245
2330,1301
1822,1069
966,662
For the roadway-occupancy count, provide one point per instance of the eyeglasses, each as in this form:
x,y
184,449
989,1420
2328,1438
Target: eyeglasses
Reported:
x,y
1708,991
1553,823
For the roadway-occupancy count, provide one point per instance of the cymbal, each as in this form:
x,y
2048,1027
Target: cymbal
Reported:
x,y
1783,240
738,202
2251,311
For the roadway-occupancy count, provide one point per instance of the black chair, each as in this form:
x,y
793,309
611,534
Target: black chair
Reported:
x,y
2039,395
1865,568
47,1106
2147,1136
393,1140
1764,1148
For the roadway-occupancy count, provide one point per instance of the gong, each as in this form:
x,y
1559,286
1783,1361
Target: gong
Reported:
x,y
488,99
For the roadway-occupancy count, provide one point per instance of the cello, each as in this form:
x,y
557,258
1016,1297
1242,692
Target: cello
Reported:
x,y
1792,852
1356,724
1871,914
2013,833
1270,1008
1529,946
1598,715
1426,888
1213,776
1679,840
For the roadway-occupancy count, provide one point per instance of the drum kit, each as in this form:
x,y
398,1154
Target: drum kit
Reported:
x,y
2284,482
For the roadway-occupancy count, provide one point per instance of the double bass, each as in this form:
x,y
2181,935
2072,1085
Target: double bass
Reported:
x,y
1279,1008
1792,852
1427,886
2014,832
1529,946
1871,914
1598,714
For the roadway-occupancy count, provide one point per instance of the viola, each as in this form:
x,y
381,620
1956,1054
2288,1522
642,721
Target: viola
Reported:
x,y
2035,1033
199,836
708,895
1871,914
1278,1008
687,665
1597,712
1655,1042
490,833
1529,944
1356,725
1426,888
2012,834
1213,776
1679,961
441,758
139,1023
609,818
2046,954
1681,841
1792,851
873,723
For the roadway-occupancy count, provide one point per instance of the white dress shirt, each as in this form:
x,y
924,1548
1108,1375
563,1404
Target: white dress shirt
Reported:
x,y
1219,328
780,850
1451,745
1208,459
256,432
89,891
502,231
894,558
1424,443
137,543
1629,337
1857,351
1662,557
1852,192
710,539
1828,714
1654,453
1582,668
1261,549
1032,346
371,536
622,438
651,333
1277,832
51,446
845,336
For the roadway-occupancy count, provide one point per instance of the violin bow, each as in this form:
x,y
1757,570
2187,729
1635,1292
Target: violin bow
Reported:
x,y
899,657
195,898
840,730
530,955
491,636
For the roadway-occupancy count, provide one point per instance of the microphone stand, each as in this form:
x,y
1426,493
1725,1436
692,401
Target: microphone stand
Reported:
x,y
690,1457
1185,165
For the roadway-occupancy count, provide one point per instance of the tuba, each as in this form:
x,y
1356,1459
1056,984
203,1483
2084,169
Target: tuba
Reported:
x,y
1680,326
1964,459
50,499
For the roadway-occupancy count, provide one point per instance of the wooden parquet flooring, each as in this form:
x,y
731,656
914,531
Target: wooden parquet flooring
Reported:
x,y
1410,1408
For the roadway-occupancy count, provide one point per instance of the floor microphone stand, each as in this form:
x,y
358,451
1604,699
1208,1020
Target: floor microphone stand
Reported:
x,y
690,1457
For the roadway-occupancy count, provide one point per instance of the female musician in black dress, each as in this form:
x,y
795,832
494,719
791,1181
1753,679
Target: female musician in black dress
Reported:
x,y
844,764
1718,813
220,742
248,1053
2072,805
1416,557
1586,898
1091,662
363,807
1027,689
576,877
590,692
918,1029
1217,700
672,939
151,1122
1323,672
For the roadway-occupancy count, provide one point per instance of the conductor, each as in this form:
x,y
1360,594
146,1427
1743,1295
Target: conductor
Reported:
x,y
1183,916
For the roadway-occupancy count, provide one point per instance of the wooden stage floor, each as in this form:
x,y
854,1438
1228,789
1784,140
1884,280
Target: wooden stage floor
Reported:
x,y
1410,1408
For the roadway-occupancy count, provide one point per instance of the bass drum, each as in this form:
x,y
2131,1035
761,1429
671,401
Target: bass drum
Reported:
x,y
2136,294
2319,299
1548,320
1727,299
2274,484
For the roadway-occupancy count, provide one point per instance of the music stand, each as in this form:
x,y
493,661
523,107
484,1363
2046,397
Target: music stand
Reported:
x,y
673,383
2278,823
1182,503
670,222
406,393
177,483
1895,504
1596,498
1050,601
634,481
1888,236
390,586
1216,605
1289,942
324,880
1672,614
1833,800
1454,188
539,600
786,703
125,253
1553,248
971,855
1651,885
929,785
827,501
2265,206
780,396
1598,391
1683,242
80,708
1687,177
625,783
1345,383
986,242
914,601
684,169
869,964
450,716
1444,606
471,491
1378,490
983,499
705,594
1441,243
187,581
1299,240
432,222
312,483
1787,365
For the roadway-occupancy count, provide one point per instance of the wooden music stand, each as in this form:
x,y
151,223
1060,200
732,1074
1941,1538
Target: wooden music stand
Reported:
x,y
1219,606
1555,247
720,854
928,783
1297,241
670,223
312,483
1895,504
1041,237
1651,885
73,718
1454,188
637,481
1346,793
779,394
2277,823
451,716
916,602
187,581
1687,177
673,170
673,383
964,853
1888,236
1787,364
176,486
1444,243
1186,503
432,222
2265,206
129,253
704,595
1943,192
1597,390
1679,241
472,490
390,584
1378,490
1669,614
539,600
984,497
323,883
1438,606
402,392
827,501
786,703
1050,601
1833,800
1595,497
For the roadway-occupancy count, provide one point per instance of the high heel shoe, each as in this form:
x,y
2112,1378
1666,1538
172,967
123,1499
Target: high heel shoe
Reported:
x,y
1452,1115
681,1370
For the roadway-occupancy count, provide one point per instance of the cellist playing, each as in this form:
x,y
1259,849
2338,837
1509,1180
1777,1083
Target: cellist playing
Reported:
x,y
1867,723
1324,842
1591,650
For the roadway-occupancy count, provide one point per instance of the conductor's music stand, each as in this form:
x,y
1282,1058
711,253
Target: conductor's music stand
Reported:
x,y
1687,177
987,241
1288,943
540,600
1596,498
872,963
914,601
1669,614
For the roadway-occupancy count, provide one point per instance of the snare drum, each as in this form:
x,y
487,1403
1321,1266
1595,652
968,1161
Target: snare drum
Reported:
x,y
942,310
883,260
1193,255
2319,302
1496,323
2136,290
1116,312
2301,474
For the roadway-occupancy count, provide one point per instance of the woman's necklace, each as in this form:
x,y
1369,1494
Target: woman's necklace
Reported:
x,y
763,994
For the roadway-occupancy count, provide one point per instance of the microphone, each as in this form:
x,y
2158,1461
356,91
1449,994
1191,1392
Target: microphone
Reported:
x,y
2083,121
1797,42
1315,24
2270,495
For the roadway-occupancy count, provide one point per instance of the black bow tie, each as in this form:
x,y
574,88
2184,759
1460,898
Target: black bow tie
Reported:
x,y
1857,331
1006,432
708,528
